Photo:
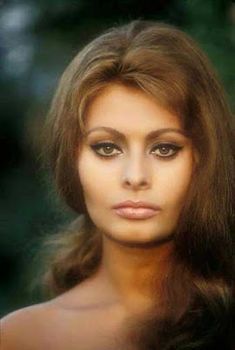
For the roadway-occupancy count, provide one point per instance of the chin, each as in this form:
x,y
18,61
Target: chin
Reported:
x,y
139,242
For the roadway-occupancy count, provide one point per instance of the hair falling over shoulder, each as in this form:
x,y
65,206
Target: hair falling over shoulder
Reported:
x,y
198,295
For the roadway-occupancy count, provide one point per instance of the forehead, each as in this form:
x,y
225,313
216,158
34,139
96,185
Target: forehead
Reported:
x,y
129,110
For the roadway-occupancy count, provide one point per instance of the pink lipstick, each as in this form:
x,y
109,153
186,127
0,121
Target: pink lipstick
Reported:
x,y
136,210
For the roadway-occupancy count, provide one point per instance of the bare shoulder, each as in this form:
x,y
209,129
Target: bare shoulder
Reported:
x,y
45,325
22,328
78,316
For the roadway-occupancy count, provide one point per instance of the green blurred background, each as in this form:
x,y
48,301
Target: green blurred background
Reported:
x,y
38,38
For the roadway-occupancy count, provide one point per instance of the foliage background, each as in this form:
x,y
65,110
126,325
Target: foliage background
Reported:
x,y
38,38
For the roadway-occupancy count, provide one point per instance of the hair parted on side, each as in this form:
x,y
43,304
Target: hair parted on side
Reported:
x,y
165,63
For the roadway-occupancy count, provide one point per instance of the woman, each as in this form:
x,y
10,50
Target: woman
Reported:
x,y
141,145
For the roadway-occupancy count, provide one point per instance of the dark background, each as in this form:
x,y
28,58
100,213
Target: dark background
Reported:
x,y
38,38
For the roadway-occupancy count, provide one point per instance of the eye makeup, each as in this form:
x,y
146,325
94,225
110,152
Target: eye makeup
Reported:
x,y
163,148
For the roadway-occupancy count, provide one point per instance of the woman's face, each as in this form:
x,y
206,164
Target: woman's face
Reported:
x,y
122,163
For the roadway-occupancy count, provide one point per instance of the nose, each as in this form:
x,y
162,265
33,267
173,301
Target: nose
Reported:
x,y
136,174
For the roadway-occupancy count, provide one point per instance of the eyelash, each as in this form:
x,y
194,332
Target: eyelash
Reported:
x,y
98,146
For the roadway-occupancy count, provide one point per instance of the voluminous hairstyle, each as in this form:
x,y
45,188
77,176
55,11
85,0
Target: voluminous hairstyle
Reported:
x,y
165,63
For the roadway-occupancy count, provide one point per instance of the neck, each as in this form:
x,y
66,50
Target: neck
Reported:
x,y
134,273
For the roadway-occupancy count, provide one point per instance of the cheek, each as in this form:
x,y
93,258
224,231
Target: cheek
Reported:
x,y
176,181
83,170
86,175
94,179
93,170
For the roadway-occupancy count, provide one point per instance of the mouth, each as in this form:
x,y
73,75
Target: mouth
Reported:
x,y
136,213
139,204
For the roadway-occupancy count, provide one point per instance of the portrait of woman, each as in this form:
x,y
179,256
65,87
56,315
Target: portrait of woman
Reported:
x,y
140,142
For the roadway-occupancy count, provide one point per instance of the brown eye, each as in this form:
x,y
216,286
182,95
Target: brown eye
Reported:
x,y
167,150
107,147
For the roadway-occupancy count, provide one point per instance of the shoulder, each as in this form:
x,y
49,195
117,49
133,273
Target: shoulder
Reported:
x,y
39,326
22,328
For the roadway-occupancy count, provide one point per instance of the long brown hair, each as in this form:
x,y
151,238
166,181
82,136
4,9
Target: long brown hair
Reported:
x,y
164,62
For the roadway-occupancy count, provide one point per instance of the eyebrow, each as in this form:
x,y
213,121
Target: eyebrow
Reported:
x,y
150,136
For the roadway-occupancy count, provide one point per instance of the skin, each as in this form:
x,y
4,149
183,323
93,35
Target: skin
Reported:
x,y
136,253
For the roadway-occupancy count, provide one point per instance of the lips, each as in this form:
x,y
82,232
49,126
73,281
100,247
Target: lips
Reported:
x,y
136,210
139,204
